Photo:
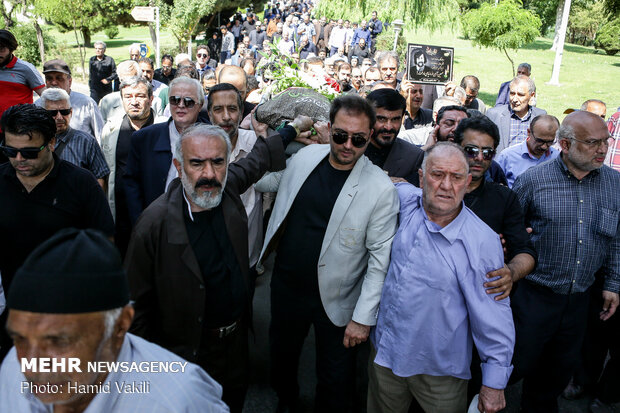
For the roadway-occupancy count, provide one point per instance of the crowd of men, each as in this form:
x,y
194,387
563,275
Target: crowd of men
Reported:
x,y
458,248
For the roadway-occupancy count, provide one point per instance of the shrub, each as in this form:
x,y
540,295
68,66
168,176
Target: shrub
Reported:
x,y
607,38
28,46
111,32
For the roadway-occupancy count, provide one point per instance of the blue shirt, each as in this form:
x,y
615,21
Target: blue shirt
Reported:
x,y
433,301
183,392
82,149
517,159
361,34
519,126
575,225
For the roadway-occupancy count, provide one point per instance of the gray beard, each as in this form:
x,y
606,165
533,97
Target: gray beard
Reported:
x,y
206,200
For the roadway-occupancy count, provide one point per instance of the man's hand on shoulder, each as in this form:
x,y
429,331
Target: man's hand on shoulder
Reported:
x,y
502,285
355,334
491,400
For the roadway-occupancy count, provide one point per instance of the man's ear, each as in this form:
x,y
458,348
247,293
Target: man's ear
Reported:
x,y
177,165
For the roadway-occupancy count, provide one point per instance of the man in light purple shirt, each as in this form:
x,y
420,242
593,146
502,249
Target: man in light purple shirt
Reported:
x,y
433,301
535,150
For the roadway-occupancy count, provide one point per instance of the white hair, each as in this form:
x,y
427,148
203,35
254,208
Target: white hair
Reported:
x,y
201,129
445,149
134,46
127,69
110,317
181,57
55,94
189,81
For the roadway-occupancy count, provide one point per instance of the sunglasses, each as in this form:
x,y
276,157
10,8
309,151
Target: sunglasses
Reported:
x,y
202,55
27,153
356,140
63,112
187,101
473,151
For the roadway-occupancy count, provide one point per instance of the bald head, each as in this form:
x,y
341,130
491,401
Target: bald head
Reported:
x,y
236,76
595,106
582,124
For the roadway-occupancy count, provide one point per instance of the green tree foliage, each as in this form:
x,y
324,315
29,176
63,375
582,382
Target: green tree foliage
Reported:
x,y
505,26
584,22
608,37
28,48
546,10
86,16
432,14
183,18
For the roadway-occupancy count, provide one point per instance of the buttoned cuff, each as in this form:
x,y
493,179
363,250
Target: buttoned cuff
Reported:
x,y
611,284
494,376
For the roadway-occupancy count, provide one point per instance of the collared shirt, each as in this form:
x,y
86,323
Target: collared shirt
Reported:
x,y
174,138
499,208
433,300
252,199
85,115
361,34
575,225
337,37
101,69
423,118
613,153
82,149
192,390
517,159
18,79
69,196
519,126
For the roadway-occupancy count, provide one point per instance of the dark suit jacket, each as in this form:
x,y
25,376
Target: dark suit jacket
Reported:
x,y
147,168
165,278
500,115
404,161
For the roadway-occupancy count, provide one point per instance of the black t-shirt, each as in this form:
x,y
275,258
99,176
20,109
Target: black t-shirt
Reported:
x,y
498,206
300,246
377,156
225,292
69,196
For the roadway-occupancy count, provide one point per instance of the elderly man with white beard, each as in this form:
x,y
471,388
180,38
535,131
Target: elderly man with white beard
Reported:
x,y
187,261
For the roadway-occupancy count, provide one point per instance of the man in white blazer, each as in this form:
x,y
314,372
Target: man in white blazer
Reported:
x,y
332,228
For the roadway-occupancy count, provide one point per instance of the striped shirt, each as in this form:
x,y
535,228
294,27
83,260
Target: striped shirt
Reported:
x,y
82,149
18,79
575,225
518,126
613,153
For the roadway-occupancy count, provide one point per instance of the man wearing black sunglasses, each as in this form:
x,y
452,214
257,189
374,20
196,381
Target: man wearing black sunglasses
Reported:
x,y
499,208
39,193
332,227
149,168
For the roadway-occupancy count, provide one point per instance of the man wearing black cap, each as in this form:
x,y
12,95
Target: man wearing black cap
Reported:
x,y
18,79
69,303
85,114
39,193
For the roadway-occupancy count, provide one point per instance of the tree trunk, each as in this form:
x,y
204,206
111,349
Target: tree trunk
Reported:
x,y
6,15
511,62
86,36
39,39
558,23
555,75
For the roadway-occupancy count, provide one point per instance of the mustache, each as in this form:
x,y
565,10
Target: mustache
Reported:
x,y
210,182
384,130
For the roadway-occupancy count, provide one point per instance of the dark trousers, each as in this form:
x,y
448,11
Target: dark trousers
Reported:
x,y
602,338
224,56
226,360
332,51
292,313
550,329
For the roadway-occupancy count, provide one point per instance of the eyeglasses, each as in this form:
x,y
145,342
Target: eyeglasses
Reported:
x,y
473,151
597,143
27,153
356,140
63,112
187,101
542,141
202,55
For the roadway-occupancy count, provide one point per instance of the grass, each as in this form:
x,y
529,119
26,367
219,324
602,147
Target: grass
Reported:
x,y
585,73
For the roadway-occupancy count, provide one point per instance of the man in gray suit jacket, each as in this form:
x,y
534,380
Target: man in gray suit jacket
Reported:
x,y
332,227
513,120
